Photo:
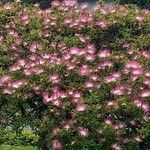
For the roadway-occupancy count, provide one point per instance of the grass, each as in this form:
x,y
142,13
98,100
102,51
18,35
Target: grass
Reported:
x,y
9,147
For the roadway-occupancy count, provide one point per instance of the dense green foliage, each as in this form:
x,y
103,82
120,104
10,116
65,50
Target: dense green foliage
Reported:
x,y
80,79
9,147
11,137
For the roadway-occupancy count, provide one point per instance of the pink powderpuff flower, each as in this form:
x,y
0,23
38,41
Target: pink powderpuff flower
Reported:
x,y
7,7
84,70
126,45
105,64
94,77
137,72
110,79
116,146
103,53
111,103
8,90
74,51
76,94
21,62
84,6
102,23
139,18
90,57
56,144
145,93
108,121
70,66
38,70
14,68
34,47
4,79
146,54
147,73
118,91
137,102
28,71
146,117
89,85
16,84
55,79
80,107
68,123
55,3
70,3
130,51
25,19
133,65
147,81
119,125
91,48
46,98
83,132
146,107
56,102
55,130
138,139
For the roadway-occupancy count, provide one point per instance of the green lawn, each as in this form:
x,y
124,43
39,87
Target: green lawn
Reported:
x,y
9,147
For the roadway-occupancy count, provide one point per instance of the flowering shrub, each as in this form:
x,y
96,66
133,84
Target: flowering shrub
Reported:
x,y
79,78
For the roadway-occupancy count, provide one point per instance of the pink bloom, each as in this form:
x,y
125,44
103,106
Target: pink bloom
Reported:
x,y
14,68
94,77
8,90
118,91
46,98
146,54
76,94
21,62
7,7
84,70
133,65
137,102
116,147
80,107
89,85
145,106
74,51
55,3
16,84
104,53
137,71
56,102
147,73
102,23
55,130
111,103
38,70
55,79
56,145
4,79
34,47
110,79
105,64
139,18
90,57
138,139
145,93
146,81
84,132
108,121
146,117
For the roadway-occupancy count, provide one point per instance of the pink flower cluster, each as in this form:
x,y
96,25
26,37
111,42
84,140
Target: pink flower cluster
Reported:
x,y
93,67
